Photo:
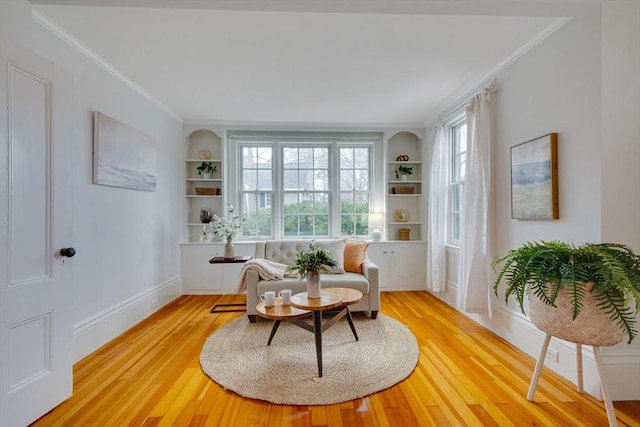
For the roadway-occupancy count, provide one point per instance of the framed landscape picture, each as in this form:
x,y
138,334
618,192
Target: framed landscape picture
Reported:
x,y
534,178
122,156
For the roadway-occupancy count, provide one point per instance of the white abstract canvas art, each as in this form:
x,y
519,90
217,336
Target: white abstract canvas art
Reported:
x,y
122,156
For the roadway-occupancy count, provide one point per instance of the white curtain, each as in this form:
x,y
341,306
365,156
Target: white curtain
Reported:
x,y
474,293
438,199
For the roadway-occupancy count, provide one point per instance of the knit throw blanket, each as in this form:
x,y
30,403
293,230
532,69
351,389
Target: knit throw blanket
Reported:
x,y
268,270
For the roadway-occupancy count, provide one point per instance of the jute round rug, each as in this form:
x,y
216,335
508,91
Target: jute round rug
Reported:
x,y
237,357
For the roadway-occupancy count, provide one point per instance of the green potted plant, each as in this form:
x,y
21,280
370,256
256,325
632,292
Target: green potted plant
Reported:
x,y
206,168
402,172
308,265
596,285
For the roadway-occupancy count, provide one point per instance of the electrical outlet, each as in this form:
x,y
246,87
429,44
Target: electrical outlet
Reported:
x,y
154,304
553,355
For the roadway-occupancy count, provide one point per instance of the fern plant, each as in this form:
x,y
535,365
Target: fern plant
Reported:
x,y
607,272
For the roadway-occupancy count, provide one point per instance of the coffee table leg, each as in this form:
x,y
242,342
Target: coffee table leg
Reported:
x,y
317,331
353,327
276,323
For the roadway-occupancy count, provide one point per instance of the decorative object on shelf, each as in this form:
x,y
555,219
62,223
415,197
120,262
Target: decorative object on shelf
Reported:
x,y
403,234
403,190
589,295
229,250
375,221
403,171
206,236
204,154
402,215
206,168
402,158
205,215
207,191
308,265
534,178
227,227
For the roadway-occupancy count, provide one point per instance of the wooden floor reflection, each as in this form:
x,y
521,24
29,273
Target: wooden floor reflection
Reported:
x,y
466,376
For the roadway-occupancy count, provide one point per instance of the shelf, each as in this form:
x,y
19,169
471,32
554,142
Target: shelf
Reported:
x,y
203,160
405,223
405,182
404,195
195,195
204,180
396,162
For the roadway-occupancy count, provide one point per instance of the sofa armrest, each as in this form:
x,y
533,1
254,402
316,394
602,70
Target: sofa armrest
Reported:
x,y
371,271
252,278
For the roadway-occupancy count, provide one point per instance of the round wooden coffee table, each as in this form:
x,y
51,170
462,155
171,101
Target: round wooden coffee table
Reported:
x,y
329,298
279,313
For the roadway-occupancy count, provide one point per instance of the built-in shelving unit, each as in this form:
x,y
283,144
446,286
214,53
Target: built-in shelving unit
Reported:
x,y
404,192
202,145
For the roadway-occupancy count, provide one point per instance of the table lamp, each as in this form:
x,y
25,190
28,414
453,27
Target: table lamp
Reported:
x,y
375,221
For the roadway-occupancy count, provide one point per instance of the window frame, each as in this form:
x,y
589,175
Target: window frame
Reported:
x,y
456,180
236,140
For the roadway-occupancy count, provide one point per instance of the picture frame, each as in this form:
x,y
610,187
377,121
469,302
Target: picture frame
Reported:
x,y
534,179
122,156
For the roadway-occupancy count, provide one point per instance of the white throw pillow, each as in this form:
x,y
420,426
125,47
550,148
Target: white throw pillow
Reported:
x,y
335,247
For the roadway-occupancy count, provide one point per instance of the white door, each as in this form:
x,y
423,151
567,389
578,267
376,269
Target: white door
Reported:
x,y
35,223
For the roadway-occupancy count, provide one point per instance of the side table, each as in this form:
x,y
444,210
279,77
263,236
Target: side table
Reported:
x,y
217,307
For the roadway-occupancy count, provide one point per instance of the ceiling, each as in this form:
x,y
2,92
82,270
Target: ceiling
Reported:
x,y
305,61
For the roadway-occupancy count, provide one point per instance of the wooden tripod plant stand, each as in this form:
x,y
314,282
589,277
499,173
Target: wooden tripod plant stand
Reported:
x,y
592,327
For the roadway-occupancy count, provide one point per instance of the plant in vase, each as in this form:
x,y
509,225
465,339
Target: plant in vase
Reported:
x,y
403,171
607,273
206,168
227,227
308,265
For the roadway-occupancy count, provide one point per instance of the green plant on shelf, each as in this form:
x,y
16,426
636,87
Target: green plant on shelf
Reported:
x,y
404,170
206,167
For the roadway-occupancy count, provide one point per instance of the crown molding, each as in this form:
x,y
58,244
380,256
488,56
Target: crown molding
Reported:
x,y
58,31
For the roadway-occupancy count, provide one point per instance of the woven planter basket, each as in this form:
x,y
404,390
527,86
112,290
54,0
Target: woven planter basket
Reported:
x,y
592,326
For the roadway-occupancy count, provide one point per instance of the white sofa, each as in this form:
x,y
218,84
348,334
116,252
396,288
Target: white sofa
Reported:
x,y
284,251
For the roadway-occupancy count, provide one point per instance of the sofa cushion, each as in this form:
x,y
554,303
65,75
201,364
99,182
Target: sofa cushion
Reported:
x,y
335,247
354,254
284,251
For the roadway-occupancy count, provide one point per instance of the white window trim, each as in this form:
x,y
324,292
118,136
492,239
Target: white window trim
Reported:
x,y
451,126
236,139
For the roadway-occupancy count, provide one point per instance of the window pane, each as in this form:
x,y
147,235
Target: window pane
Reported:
x,y
462,137
248,157
249,179
455,232
361,158
347,180
264,179
264,157
290,180
346,158
305,157
305,179
346,202
290,157
258,217
321,158
321,180
362,179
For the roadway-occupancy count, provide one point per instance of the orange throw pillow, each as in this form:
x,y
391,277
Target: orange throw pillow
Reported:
x,y
354,253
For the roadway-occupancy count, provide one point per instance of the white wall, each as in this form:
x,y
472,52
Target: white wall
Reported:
x,y
126,240
582,82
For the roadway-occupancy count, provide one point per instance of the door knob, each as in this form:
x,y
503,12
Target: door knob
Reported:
x,y
68,252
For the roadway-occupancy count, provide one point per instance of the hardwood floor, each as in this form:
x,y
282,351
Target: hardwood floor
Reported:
x,y
466,376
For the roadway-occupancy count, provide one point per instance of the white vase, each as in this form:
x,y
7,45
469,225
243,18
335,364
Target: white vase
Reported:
x,y
205,176
313,284
403,177
229,250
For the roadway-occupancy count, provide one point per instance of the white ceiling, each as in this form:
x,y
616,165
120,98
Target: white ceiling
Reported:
x,y
306,61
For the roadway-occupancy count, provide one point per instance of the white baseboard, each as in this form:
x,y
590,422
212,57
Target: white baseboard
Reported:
x,y
97,330
622,365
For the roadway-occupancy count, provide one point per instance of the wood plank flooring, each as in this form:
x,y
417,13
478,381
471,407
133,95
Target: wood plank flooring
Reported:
x,y
466,376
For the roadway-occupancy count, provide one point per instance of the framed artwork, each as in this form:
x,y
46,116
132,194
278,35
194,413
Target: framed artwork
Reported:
x,y
122,156
534,178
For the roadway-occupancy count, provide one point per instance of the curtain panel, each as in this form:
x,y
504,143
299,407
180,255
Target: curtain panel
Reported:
x,y
474,294
438,201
